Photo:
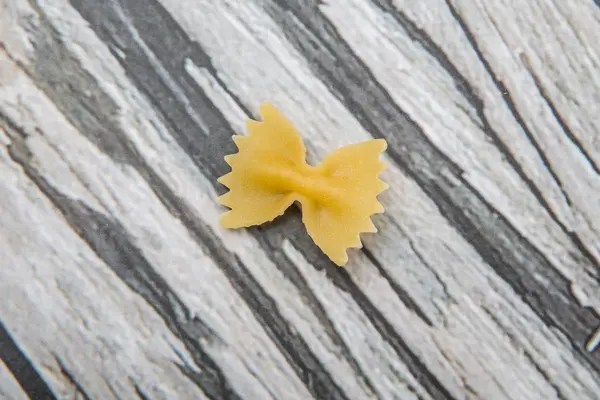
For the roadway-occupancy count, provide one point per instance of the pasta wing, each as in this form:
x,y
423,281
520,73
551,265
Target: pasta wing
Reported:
x,y
255,187
335,220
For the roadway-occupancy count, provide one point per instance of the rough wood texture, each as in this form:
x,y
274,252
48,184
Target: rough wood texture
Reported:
x,y
117,281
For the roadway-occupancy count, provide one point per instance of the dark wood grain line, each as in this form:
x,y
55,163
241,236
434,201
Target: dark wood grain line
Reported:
x,y
71,378
21,367
530,359
557,115
399,290
140,393
499,243
560,395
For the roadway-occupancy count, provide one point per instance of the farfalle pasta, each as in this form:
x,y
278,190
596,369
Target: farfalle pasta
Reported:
x,y
270,172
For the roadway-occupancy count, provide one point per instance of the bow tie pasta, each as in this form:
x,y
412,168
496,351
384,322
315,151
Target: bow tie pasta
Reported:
x,y
270,172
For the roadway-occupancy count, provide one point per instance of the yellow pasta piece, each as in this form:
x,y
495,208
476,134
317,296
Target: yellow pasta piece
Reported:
x,y
270,172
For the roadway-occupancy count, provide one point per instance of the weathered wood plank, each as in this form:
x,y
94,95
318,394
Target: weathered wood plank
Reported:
x,y
483,279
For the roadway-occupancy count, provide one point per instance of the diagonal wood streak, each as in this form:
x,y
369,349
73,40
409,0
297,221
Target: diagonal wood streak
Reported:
x,y
21,367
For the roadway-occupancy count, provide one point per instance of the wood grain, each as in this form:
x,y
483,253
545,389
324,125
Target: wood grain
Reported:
x,y
117,280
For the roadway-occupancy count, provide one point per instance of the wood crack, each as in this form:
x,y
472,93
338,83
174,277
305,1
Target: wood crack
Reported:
x,y
528,356
408,301
557,116
71,378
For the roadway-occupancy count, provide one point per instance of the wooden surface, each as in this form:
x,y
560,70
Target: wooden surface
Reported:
x,y
117,282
